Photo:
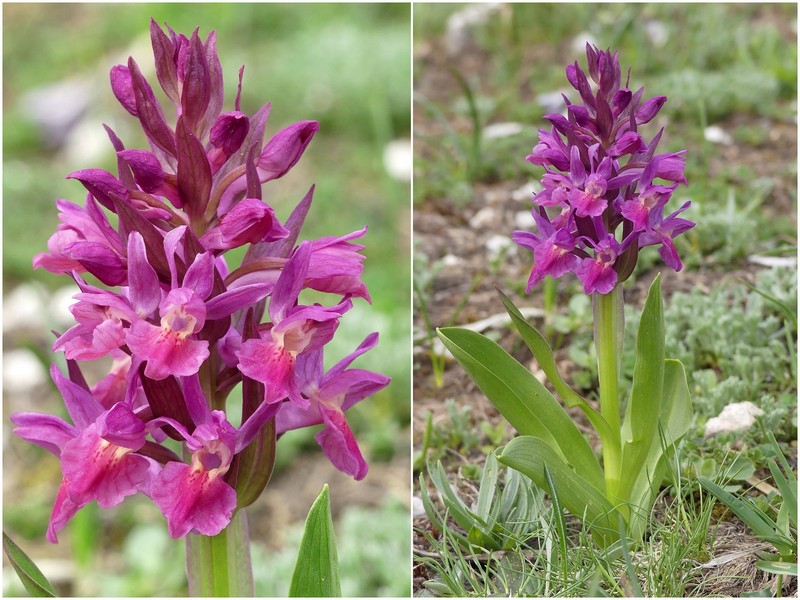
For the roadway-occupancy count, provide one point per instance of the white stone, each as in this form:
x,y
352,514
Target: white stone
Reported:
x,y
773,261
526,192
717,135
524,220
22,371
483,218
58,107
656,32
86,143
398,160
418,508
501,130
734,417
24,308
497,245
451,260
460,24
579,42
552,102
59,306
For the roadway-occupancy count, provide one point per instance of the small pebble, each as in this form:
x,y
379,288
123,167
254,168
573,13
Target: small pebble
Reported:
x,y
23,308
717,135
734,417
398,160
22,371
501,130
579,42
525,193
417,508
551,102
483,218
59,306
497,245
460,24
657,33
451,260
524,220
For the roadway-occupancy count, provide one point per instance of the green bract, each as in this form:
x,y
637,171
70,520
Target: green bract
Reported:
x,y
552,451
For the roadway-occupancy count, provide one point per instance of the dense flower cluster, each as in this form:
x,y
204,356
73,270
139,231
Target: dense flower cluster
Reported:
x,y
179,326
600,175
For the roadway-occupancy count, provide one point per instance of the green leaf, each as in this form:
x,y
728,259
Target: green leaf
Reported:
x,y
529,455
488,488
753,517
561,527
30,575
316,573
777,568
640,427
523,400
544,356
674,421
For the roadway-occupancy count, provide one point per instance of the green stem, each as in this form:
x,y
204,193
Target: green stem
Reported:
x,y
609,326
219,566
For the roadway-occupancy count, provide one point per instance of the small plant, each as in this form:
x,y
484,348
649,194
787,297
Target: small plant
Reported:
x,y
606,189
497,521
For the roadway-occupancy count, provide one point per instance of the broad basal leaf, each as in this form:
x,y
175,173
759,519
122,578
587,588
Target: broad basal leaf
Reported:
x,y
529,455
544,356
522,400
640,427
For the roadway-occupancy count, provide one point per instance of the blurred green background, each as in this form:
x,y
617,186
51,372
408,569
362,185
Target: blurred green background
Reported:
x,y
345,65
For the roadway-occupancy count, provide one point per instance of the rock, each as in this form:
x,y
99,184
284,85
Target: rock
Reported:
x,y
59,307
526,192
57,108
551,102
524,220
579,42
398,160
483,218
23,308
458,34
717,135
451,260
657,33
417,508
497,245
734,417
22,371
501,130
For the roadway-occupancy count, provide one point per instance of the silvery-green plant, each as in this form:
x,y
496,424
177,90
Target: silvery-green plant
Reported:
x,y
604,196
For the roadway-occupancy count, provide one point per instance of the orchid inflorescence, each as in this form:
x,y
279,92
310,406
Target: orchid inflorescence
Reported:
x,y
600,174
181,326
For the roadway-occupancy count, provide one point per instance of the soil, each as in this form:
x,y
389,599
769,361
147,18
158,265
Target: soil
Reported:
x,y
457,238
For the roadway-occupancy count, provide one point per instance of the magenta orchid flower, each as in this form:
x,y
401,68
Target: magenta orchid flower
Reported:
x,y
601,174
98,453
295,329
179,323
330,395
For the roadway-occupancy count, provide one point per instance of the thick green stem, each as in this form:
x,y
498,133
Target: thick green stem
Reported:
x,y
608,334
219,566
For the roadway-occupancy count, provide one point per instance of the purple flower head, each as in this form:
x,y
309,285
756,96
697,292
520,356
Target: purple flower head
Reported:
x,y
604,179
180,324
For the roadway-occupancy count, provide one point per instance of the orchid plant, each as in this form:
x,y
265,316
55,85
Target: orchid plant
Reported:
x,y
603,199
180,327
